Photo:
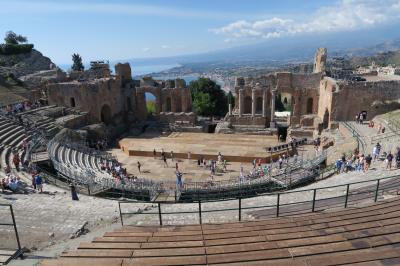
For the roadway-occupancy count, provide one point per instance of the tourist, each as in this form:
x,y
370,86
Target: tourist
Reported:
x,y
7,170
198,162
389,159
172,155
154,153
165,161
379,128
74,194
338,166
33,182
162,153
361,163
179,181
138,166
39,183
280,161
224,166
368,161
371,124
16,161
189,155
3,185
376,150
383,130
176,166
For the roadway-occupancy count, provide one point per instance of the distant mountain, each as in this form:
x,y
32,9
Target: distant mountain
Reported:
x,y
292,49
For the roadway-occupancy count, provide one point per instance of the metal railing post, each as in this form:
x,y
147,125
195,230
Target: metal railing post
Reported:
x,y
347,195
200,220
376,191
277,204
120,213
15,227
240,209
313,201
159,213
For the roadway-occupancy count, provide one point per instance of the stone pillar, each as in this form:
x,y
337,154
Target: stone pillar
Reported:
x,y
264,103
273,106
230,109
240,102
253,103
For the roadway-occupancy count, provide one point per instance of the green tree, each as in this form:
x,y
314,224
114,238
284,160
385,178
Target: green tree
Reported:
x,y
13,38
203,104
279,104
77,63
218,103
231,99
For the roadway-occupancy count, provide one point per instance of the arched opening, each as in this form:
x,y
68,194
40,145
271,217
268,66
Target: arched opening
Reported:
x,y
247,105
106,114
283,102
325,121
310,103
168,104
72,101
259,103
150,104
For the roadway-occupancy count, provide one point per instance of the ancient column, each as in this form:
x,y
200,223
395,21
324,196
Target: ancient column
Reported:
x,y
253,102
272,104
230,109
240,102
264,103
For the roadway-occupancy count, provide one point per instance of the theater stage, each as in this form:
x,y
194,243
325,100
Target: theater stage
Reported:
x,y
234,147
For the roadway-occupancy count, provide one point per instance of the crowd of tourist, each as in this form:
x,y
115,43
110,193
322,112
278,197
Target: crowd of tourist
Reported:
x,y
361,162
19,107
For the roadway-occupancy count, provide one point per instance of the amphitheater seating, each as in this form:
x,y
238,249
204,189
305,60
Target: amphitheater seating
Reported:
x,y
368,235
77,160
12,135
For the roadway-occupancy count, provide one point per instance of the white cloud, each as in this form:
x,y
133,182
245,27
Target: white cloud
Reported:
x,y
344,16
145,49
164,46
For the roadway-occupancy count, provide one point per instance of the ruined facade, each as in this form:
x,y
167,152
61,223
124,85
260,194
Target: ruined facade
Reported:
x,y
314,100
118,98
255,97
320,60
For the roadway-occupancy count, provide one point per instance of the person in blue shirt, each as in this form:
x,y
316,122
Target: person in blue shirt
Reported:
x,y
39,183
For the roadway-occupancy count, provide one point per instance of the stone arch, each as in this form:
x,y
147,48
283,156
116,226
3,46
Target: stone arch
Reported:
x,y
325,121
105,115
310,103
259,105
168,104
247,105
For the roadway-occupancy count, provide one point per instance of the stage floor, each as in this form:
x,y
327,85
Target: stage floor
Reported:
x,y
243,147
234,147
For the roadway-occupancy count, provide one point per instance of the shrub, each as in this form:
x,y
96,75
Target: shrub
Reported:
x,y
8,49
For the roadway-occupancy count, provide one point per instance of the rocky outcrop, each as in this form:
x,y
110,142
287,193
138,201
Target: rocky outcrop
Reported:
x,y
24,64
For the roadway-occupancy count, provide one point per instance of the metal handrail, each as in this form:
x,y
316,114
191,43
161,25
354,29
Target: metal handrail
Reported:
x,y
358,137
19,251
358,191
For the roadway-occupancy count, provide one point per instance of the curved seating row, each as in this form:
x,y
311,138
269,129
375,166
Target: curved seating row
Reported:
x,y
368,235
12,136
77,160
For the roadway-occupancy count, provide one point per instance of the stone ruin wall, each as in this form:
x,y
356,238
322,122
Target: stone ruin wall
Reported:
x,y
300,87
88,96
320,60
374,97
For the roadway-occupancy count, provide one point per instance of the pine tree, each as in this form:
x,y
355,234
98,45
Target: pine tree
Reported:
x,y
77,63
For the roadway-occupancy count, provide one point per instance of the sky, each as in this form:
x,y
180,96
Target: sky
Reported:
x,y
121,29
